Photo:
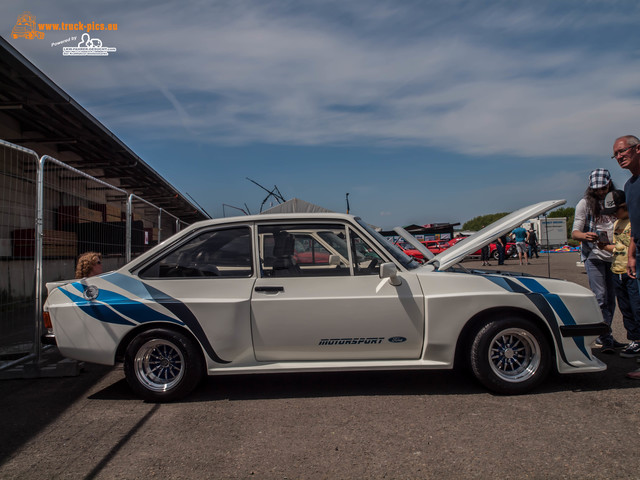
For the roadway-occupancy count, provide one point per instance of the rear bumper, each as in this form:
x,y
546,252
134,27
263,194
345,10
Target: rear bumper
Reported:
x,y
48,339
587,330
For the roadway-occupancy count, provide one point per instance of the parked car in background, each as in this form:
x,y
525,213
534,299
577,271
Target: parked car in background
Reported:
x,y
434,246
411,251
510,250
226,296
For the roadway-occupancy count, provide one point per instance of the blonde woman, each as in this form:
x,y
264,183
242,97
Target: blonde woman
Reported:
x,y
89,264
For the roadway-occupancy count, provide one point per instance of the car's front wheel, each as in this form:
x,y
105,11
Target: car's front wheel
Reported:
x,y
163,365
510,355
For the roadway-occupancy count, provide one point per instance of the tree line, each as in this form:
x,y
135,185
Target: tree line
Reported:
x,y
477,223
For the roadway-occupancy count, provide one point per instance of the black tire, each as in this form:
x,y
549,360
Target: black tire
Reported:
x,y
495,255
163,365
510,356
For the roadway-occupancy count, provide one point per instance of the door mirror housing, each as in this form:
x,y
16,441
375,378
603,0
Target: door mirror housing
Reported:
x,y
334,260
390,271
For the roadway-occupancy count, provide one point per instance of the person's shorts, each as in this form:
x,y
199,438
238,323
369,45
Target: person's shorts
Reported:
x,y
521,247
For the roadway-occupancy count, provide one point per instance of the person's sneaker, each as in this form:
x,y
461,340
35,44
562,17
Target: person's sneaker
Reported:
x,y
607,348
617,344
598,342
635,374
632,350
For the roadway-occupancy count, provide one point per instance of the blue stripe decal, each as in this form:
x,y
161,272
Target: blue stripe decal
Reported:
x,y
532,285
563,312
536,289
140,312
178,308
129,284
97,310
558,306
507,284
132,309
501,282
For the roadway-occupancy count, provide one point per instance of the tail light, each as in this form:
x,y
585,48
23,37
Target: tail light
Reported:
x,y
47,320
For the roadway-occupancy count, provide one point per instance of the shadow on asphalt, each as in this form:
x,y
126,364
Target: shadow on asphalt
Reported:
x,y
344,384
28,406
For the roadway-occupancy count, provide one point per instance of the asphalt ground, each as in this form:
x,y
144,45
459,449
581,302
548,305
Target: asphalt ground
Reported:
x,y
329,425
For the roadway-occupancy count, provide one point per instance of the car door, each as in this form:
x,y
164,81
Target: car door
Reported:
x,y
212,274
341,312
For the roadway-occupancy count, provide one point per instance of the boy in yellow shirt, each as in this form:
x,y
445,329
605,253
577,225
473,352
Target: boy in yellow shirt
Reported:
x,y
626,287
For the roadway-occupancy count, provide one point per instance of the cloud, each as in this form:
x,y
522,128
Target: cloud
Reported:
x,y
468,79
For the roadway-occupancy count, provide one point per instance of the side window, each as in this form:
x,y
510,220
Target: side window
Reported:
x,y
303,250
217,253
365,259
309,251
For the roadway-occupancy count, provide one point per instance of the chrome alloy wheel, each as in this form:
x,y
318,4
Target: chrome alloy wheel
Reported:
x,y
159,365
514,355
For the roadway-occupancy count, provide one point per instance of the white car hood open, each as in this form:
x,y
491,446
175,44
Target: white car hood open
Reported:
x,y
475,242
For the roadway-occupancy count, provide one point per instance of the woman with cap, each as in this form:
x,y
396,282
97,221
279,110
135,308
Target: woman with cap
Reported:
x,y
589,222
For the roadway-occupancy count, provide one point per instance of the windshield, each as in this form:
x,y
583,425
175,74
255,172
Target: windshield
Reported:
x,y
405,260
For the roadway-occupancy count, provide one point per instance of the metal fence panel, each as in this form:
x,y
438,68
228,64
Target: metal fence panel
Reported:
x,y
80,214
51,213
145,225
18,171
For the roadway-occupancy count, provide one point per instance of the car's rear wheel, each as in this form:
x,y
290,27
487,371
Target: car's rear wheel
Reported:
x,y
510,355
163,365
495,254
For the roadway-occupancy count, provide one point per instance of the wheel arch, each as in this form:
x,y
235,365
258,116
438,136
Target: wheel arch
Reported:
x,y
475,323
128,338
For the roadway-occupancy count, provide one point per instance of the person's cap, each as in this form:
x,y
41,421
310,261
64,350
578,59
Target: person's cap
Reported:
x,y
599,178
612,201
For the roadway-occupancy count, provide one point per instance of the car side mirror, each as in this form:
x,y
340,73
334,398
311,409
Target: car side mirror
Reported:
x,y
390,271
334,260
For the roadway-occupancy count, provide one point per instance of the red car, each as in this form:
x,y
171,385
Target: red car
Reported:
x,y
409,250
434,246
510,250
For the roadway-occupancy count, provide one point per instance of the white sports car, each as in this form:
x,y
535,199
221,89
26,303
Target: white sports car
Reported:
x,y
320,292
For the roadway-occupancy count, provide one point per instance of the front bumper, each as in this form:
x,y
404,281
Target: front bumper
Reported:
x,y
586,330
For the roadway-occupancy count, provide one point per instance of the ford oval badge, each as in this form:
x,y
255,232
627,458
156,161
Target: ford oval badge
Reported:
x,y
397,339
91,292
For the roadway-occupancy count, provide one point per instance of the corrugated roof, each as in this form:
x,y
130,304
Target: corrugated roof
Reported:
x,y
28,96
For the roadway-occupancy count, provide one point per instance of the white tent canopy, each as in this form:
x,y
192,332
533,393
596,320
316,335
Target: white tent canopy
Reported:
x,y
295,205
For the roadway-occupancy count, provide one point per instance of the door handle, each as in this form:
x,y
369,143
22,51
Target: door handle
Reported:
x,y
269,289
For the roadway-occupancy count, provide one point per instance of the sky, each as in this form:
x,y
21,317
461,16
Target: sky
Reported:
x,y
423,111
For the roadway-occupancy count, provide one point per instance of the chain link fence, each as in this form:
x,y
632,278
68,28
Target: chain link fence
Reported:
x,y
50,214
18,172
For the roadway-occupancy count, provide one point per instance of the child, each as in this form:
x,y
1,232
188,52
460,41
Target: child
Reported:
x,y
626,288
